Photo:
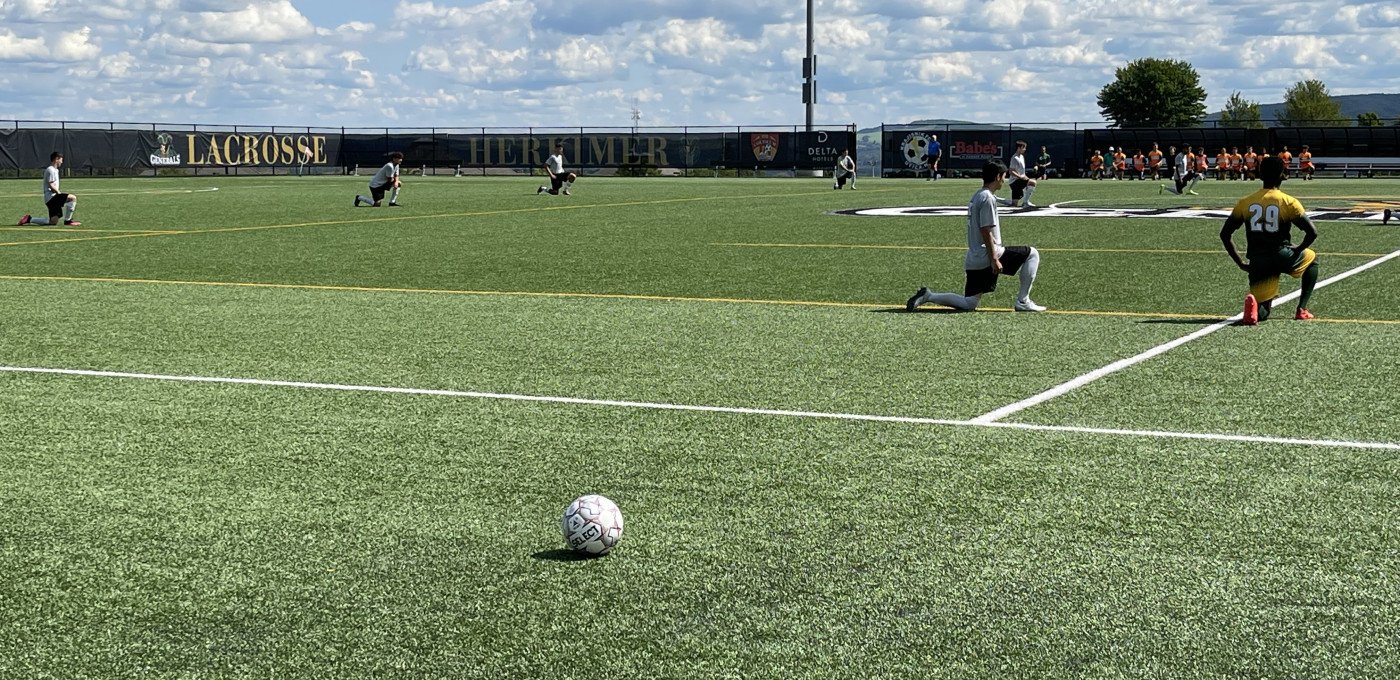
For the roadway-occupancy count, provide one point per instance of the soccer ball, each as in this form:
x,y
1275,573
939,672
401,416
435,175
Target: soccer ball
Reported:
x,y
592,525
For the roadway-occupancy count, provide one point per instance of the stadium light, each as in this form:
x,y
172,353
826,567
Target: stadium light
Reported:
x,y
809,70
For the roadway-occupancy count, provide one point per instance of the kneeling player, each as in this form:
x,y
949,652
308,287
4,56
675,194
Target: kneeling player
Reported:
x,y
1270,214
559,180
1184,174
986,258
60,205
386,180
845,170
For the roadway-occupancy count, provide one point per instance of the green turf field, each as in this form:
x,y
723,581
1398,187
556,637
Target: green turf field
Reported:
x,y
812,484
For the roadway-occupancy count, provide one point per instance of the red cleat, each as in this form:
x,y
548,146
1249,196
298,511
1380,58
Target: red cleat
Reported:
x,y
1251,311
72,223
25,220
1302,315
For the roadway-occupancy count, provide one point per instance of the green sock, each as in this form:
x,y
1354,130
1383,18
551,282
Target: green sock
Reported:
x,y
1309,282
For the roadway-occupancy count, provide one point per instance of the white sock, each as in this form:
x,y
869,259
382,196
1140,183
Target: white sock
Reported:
x,y
68,209
1029,190
1003,201
567,185
362,199
1027,274
394,195
41,221
966,303
1195,179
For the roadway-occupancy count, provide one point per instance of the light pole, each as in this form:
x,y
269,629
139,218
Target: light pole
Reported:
x,y
809,70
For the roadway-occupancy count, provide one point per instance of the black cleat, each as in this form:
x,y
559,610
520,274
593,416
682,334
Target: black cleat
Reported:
x,y
1385,216
395,205
913,302
357,201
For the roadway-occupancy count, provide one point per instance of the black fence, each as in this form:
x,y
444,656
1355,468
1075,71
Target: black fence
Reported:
x,y
126,148
903,148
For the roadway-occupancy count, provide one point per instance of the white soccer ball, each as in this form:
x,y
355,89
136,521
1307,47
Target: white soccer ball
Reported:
x,y
592,525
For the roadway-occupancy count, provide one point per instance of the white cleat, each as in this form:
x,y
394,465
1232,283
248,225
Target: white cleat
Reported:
x,y
1028,306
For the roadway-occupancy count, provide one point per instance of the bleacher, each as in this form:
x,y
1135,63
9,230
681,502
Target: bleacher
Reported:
x,y
1355,167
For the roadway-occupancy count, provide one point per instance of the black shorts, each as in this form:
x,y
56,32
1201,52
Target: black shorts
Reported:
x,y
558,180
1018,189
981,281
55,204
377,193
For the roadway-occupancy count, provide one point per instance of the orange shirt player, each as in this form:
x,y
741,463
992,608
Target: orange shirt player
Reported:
x,y
1305,164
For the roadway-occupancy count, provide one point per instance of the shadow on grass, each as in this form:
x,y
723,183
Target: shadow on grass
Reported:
x,y
921,310
561,555
1187,322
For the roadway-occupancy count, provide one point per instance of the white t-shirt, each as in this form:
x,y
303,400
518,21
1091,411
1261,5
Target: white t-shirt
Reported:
x,y
845,166
50,182
1018,169
555,163
981,211
385,175
1182,167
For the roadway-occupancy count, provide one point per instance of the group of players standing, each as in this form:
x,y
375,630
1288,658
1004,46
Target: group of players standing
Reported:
x,y
1231,164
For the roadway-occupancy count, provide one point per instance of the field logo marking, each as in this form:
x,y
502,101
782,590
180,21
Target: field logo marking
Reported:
x,y
1065,388
1065,210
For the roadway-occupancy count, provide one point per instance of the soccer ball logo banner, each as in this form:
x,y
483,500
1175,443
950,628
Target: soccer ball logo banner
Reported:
x,y
915,150
592,525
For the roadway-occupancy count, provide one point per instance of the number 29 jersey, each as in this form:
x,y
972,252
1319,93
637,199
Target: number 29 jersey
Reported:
x,y
1268,216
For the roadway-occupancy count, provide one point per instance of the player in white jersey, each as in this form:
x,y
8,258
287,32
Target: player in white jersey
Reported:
x,y
845,170
1184,175
386,180
60,205
1021,183
986,256
559,180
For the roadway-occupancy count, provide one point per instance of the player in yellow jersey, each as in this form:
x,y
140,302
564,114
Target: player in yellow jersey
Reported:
x,y
1268,216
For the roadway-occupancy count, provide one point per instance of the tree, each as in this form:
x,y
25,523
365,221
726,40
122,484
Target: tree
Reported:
x,y
1308,103
1240,112
1368,119
1154,93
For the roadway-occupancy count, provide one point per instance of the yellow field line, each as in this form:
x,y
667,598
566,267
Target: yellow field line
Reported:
x,y
91,238
89,231
479,213
1203,318
871,246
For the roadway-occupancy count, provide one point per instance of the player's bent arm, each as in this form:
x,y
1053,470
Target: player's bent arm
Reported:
x,y
1227,236
991,247
1309,232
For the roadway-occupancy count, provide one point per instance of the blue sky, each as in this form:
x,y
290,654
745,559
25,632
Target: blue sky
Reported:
x,y
721,62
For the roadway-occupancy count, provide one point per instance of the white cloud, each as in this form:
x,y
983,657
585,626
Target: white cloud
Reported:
x,y
21,49
75,46
257,21
511,62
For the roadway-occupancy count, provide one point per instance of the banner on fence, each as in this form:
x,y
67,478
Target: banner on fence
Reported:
x,y
156,148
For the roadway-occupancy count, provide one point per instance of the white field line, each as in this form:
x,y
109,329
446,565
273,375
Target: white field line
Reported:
x,y
705,409
1061,390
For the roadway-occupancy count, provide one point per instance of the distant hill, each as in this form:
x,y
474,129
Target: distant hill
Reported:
x,y
1384,105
